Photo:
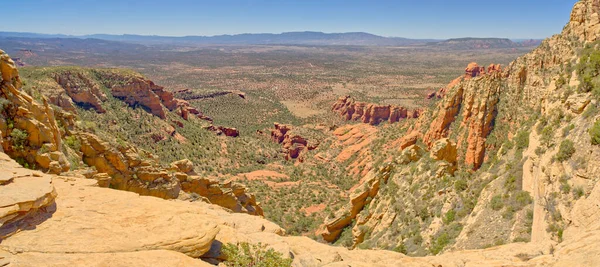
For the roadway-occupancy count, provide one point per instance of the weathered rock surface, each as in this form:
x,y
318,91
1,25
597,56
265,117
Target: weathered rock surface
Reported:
x,y
331,229
84,213
22,193
227,194
149,258
222,130
371,113
444,149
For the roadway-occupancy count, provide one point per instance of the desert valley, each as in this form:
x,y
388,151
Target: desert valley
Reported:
x,y
301,149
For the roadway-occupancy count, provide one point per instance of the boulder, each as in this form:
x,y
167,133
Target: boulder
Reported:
x,y
409,140
103,179
185,165
577,103
444,149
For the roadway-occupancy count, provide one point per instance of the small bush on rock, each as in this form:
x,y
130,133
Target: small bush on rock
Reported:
x,y
245,255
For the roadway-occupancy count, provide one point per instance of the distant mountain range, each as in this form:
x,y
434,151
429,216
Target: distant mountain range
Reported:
x,y
288,38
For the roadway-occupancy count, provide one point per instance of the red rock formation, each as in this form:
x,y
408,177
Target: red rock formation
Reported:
x,y
473,70
371,113
81,90
221,130
476,101
139,91
293,145
408,140
231,132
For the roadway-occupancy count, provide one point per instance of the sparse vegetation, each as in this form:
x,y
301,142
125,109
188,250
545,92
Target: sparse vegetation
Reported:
x,y
253,255
18,138
565,151
595,133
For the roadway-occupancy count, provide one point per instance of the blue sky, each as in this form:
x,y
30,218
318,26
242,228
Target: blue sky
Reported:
x,y
401,18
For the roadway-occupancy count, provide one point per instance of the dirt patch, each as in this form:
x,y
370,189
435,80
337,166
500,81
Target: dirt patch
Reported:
x,y
302,109
262,175
314,208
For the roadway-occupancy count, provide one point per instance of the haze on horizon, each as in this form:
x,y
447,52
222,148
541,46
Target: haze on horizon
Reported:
x,y
439,19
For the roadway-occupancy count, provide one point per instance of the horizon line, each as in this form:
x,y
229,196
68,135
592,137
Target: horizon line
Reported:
x,y
258,33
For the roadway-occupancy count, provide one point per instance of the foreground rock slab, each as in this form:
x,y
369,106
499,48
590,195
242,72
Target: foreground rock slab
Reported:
x,y
89,219
122,259
22,193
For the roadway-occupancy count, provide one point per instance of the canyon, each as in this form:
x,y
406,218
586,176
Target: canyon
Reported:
x,y
101,166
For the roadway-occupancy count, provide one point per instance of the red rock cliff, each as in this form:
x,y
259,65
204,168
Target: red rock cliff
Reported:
x,y
371,113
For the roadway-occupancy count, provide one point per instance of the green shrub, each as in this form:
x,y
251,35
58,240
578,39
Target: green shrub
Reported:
x,y
450,216
565,151
439,243
595,133
246,255
461,185
564,186
578,192
588,69
497,203
547,135
73,142
522,139
523,199
591,110
18,138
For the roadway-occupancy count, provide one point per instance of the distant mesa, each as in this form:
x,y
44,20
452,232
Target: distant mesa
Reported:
x,y
290,38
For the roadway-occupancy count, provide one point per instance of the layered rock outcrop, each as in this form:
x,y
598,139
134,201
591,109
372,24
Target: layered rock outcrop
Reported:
x,y
370,113
81,90
293,145
331,229
29,129
123,168
22,194
474,98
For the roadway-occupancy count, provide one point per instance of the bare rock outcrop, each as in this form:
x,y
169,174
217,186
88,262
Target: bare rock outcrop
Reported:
x,y
222,130
139,91
127,171
26,125
444,149
331,229
227,194
81,89
293,145
475,99
370,113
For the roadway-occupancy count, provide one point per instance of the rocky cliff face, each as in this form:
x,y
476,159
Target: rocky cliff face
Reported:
x,y
371,113
29,129
505,131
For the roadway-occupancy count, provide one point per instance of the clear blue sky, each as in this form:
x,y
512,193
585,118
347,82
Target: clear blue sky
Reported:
x,y
401,18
